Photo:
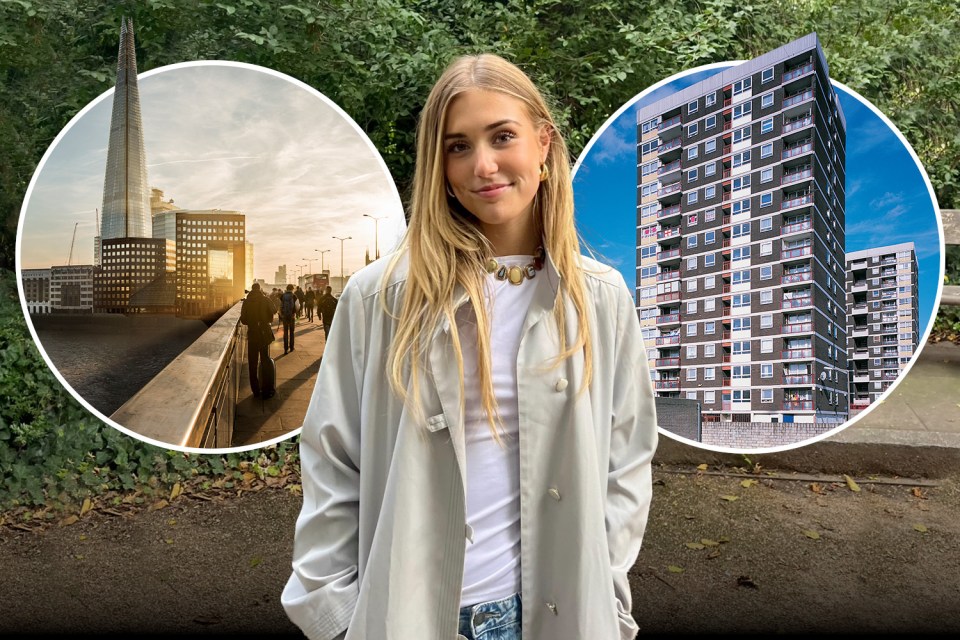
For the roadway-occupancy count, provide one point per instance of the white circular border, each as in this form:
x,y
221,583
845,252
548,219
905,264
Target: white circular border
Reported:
x,y
53,145
936,208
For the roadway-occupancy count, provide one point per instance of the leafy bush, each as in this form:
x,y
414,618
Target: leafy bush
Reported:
x,y
55,453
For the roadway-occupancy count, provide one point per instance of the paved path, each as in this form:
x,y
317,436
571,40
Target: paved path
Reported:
x,y
259,420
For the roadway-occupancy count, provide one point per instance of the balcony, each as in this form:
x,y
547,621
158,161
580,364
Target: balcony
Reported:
x,y
796,150
667,146
797,98
664,341
666,212
859,353
860,403
667,190
796,176
795,354
800,276
857,332
668,297
861,376
798,405
797,201
796,303
661,385
672,318
890,375
667,255
667,362
859,285
859,264
671,232
799,252
666,276
805,379
799,123
798,327
797,72
796,227
859,308
671,122
667,168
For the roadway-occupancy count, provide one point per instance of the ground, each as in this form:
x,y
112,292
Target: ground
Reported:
x,y
726,550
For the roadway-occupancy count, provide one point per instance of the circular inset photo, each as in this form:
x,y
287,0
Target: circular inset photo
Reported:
x,y
183,243
784,242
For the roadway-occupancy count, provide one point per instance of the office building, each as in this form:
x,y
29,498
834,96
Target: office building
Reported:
x,y
36,290
71,288
211,260
135,276
740,241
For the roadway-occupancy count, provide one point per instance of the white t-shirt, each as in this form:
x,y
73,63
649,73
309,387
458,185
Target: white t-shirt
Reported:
x,y
492,562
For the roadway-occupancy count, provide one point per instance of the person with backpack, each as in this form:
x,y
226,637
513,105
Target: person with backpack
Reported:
x,y
288,314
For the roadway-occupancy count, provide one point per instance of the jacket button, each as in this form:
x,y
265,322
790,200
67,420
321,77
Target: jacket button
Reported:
x,y
552,606
561,384
554,493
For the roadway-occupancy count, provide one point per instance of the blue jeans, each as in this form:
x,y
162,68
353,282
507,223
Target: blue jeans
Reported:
x,y
494,620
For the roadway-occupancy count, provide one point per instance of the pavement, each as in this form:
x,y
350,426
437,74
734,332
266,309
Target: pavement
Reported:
x,y
857,533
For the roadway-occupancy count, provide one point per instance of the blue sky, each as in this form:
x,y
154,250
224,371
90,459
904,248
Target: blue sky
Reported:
x,y
234,137
888,201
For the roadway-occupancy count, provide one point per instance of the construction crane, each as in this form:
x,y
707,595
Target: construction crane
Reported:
x,y
70,258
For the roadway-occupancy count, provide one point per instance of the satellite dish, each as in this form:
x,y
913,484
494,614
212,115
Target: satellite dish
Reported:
x,y
823,376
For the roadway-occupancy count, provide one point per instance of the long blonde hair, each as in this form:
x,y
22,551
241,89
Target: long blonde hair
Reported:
x,y
446,247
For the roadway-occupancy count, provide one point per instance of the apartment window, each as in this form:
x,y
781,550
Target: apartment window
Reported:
x,y
710,99
710,146
691,374
710,122
709,259
710,215
692,329
648,251
766,75
709,192
650,125
766,126
766,297
766,370
741,158
741,86
742,110
740,300
766,199
741,395
741,229
741,346
766,395
650,167
740,372
692,263
692,107
741,134
692,152
741,206
649,210
691,395
691,351
649,189
649,147
709,282
766,100
709,397
691,285
709,237
692,130
766,175
691,175
648,272
766,150
739,277
710,169
766,248
709,351
766,224
766,272
692,220
766,345
741,324
691,241
709,305
743,182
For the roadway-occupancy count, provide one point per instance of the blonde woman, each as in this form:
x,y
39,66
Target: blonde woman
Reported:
x,y
476,456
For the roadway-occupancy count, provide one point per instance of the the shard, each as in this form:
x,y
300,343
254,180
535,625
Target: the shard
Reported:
x,y
126,194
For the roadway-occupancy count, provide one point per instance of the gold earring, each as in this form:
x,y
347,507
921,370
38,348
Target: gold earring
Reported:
x,y
544,172
450,191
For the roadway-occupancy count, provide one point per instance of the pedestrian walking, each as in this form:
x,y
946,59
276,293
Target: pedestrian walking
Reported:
x,y
301,298
486,370
256,313
326,307
288,313
309,300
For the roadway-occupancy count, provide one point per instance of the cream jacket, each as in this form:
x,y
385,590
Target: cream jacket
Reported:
x,y
379,545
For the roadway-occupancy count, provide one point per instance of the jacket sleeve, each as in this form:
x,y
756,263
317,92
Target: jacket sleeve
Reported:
x,y
321,594
633,440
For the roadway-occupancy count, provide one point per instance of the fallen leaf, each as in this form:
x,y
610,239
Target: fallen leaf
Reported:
x,y
82,537
172,521
816,487
254,561
176,491
723,539
813,535
746,484
168,540
159,504
701,467
714,554
87,505
695,545
675,569
729,498
69,520
851,484
707,542
920,528
249,477
919,493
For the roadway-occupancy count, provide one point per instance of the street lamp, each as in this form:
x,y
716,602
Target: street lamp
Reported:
x,y
321,257
341,258
376,231
309,264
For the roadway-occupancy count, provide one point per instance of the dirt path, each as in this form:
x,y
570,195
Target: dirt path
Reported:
x,y
779,557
